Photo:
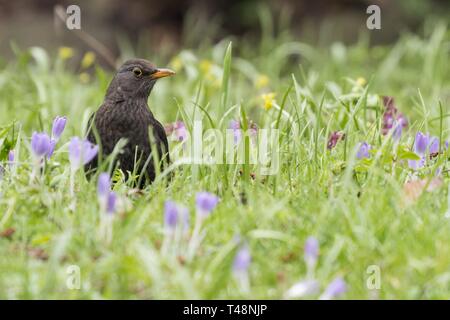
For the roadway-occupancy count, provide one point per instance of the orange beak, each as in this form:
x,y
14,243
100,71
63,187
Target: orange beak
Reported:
x,y
161,73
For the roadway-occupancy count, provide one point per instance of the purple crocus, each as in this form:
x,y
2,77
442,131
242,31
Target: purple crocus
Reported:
x,y
170,214
434,145
236,127
311,252
180,130
421,143
59,123
51,149
421,148
40,144
417,164
103,185
336,288
391,116
363,151
397,131
334,138
11,157
177,130
242,260
206,202
111,202
81,152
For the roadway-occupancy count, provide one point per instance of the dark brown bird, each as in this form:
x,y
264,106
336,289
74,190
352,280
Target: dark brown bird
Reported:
x,y
125,114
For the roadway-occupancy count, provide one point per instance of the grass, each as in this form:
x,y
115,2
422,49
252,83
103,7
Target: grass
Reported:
x,y
359,210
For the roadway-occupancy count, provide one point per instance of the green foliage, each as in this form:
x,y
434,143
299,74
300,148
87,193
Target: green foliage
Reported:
x,y
355,208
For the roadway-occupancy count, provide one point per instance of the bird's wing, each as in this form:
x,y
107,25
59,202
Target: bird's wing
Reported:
x,y
161,134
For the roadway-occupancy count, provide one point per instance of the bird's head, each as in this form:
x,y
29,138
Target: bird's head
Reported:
x,y
135,79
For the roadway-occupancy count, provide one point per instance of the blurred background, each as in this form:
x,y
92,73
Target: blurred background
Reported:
x,y
163,27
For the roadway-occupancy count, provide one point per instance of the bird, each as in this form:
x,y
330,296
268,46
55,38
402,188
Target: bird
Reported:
x,y
125,114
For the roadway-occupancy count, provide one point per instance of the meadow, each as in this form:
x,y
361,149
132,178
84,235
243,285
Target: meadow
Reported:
x,y
358,208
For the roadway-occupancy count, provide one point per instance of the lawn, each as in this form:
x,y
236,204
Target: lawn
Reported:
x,y
355,209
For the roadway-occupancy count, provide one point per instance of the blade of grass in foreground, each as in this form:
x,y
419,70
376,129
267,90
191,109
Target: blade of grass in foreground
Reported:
x,y
226,77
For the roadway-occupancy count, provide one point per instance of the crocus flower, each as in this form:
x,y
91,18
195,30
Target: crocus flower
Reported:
x,y
302,289
417,164
177,130
242,260
421,143
206,202
397,131
104,184
363,151
51,149
336,288
81,152
111,202
11,157
391,116
181,133
40,144
236,127
170,214
311,252
434,145
175,214
335,137
59,123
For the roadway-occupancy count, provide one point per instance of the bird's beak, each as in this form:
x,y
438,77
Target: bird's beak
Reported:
x,y
161,73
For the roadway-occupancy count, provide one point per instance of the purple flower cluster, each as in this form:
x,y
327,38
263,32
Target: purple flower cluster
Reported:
x,y
425,146
235,125
177,130
392,118
42,145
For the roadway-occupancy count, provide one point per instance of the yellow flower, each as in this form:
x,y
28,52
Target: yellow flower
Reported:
x,y
361,81
262,81
84,77
88,60
176,64
269,100
65,53
205,66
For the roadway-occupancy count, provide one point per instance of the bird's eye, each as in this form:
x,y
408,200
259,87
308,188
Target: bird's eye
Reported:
x,y
137,72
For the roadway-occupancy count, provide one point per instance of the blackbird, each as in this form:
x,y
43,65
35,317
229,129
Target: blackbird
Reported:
x,y
125,114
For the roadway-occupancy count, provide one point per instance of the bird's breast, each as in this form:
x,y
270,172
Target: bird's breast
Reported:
x,y
125,120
